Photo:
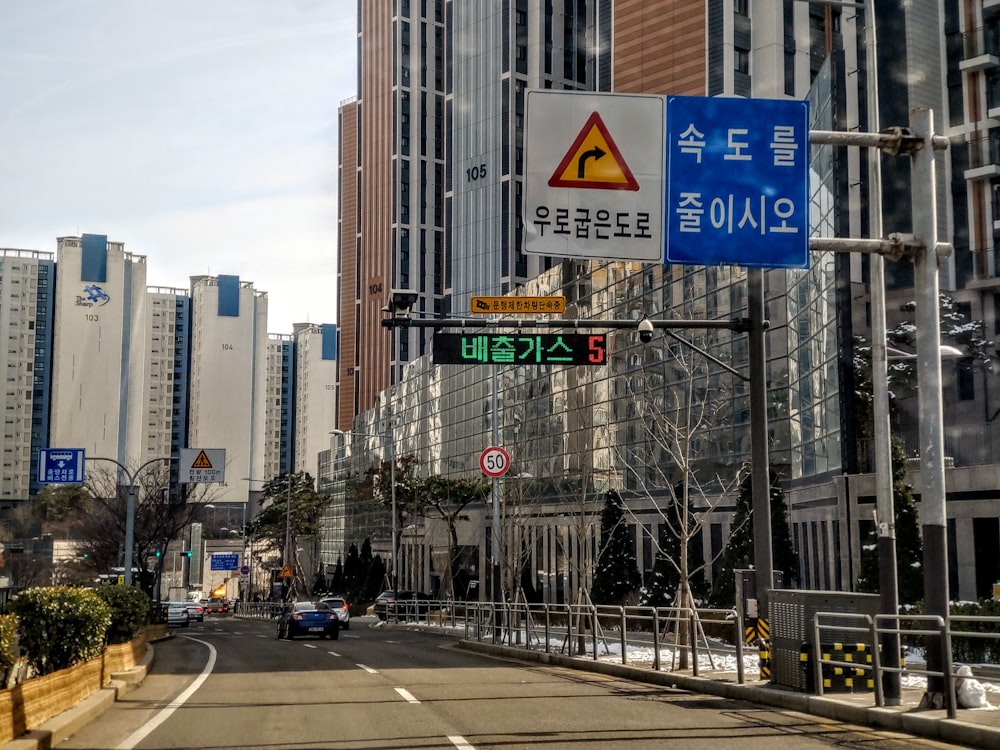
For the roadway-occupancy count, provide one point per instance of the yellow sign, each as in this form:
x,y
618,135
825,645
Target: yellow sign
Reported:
x,y
201,462
286,572
517,305
594,161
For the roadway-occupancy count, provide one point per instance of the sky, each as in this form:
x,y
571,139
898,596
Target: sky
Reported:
x,y
200,133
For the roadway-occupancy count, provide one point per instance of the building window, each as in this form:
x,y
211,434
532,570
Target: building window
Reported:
x,y
741,61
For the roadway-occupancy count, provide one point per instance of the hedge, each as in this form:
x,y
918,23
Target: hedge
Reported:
x,y
60,626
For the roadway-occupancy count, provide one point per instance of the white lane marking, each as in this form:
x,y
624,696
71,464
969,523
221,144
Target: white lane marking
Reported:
x,y
406,695
140,734
261,635
333,653
310,645
369,670
459,742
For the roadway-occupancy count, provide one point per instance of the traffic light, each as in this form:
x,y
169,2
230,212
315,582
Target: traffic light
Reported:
x,y
187,554
158,553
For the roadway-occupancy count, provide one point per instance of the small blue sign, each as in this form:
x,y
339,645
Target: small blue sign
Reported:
x,y
61,466
226,561
737,182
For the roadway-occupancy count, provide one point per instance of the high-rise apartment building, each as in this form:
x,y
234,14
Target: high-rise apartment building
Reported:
x,y
315,393
99,342
432,162
280,409
168,333
228,383
27,283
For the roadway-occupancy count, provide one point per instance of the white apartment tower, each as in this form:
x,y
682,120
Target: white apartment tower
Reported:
x,y
315,392
98,341
228,383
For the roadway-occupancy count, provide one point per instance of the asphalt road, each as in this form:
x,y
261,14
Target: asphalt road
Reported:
x,y
229,683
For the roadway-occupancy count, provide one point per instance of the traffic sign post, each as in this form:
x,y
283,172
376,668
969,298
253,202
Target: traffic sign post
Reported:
x,y
520,349
61,466
494,461
517,305
202,465
594,175
737,182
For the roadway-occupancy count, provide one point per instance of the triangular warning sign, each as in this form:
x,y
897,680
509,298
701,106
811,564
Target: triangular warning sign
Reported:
x,y
201,462
594,161
286,572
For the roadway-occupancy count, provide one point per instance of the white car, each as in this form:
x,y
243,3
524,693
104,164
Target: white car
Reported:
x,y
342,608
177,615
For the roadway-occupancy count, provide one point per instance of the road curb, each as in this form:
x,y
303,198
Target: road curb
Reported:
x,y
62,726
930,724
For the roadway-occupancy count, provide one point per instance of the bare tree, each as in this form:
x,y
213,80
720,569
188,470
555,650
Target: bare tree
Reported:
x,y
682,472
158,521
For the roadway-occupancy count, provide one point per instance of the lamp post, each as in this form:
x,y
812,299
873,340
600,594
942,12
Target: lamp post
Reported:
x,y
247,542
130,509
288,521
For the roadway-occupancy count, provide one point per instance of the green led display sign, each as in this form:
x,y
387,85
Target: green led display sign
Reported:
x,y
520,349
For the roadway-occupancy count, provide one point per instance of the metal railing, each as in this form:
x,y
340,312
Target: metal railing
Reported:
x,y
662,639
259,610
910,629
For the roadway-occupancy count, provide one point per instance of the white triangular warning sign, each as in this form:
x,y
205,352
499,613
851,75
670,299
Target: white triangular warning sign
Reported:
x,y
594,161
201,462
286,572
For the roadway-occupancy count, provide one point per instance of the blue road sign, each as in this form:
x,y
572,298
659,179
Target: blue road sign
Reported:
x,y
226,561
737,182
61,465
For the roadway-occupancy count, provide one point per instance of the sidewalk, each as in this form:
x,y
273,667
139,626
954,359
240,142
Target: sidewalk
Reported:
x,y
979,728
60,727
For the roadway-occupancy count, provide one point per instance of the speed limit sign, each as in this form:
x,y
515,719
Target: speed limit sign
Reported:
x,y
494,461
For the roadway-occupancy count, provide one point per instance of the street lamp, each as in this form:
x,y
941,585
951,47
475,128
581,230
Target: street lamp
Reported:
x,y
130,509
210,506
288,520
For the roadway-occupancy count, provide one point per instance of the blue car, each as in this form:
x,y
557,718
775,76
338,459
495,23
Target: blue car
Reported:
x,y
309,618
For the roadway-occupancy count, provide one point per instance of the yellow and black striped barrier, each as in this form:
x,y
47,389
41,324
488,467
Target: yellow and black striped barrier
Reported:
x,y
838,677
764,652
758,629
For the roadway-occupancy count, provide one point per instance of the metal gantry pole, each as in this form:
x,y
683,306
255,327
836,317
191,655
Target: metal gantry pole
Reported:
x,y
885,511
760,480
933,515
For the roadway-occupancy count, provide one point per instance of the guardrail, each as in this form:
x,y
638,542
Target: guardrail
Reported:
x,y
259,610
912,629
637,636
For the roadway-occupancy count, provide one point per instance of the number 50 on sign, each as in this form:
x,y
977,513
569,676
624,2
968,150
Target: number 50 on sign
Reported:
x,y
494,461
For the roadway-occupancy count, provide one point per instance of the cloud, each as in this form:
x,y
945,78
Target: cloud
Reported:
x,y
202,135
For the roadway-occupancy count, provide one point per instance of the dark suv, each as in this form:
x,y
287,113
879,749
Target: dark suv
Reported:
x,y
401,604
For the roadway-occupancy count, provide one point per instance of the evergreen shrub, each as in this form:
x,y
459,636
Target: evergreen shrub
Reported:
x,y
130,608
8,647
59,626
